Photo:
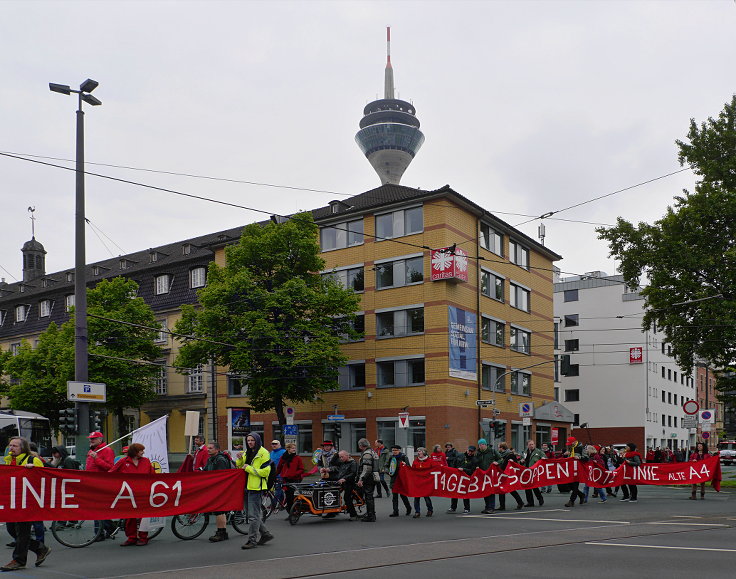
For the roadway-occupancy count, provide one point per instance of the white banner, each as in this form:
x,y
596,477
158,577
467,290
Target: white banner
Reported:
x,y
153,437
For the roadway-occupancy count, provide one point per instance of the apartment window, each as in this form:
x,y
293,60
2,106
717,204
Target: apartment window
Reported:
x,y
350,277
521,383
518,254
669,397
490,378
161,380
400,373
20,313
572,345
352,376
398,223
400,323
669,373
669,420
162,284
195,380
15,349
674,399
675,418
572,395
400,272
492,331
197,277
44,308
674,375
491,285
163,334
664,396
520,340
358,324
556,333
68,302
663,420
572,320
341,235
237,385
490,239
519,297
571,295
662,371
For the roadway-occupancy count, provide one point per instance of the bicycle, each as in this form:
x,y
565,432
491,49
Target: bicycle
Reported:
x,y
270,504
190,526
78,534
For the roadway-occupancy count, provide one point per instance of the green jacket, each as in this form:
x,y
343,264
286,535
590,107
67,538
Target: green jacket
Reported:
x,y
257,472
533,457
486,457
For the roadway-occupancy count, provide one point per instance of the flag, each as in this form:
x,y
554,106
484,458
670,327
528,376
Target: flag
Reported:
x,y
153,437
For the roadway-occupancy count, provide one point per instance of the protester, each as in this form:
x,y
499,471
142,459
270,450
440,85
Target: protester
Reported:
x,y
396,460
507,455
19,454
531,456
486,456
701,453
347,473
468,465
256,465
276,453
201,455
548,453
383,456
575,450
596,457
438,457
218,460
422,462
326,460
366,479
134,463
291,470
100,458
122,455
632,459
453,457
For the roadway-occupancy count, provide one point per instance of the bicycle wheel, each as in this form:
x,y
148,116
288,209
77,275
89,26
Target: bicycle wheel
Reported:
x,y
296,512
189,526
239,522
76,534
155,533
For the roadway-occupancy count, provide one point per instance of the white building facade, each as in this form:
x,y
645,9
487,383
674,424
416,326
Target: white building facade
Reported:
x,y
618,380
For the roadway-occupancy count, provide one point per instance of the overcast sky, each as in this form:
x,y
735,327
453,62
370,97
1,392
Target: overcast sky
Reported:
x,y
527,107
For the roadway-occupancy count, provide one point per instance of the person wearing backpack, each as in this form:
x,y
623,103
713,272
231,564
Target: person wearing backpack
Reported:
x,y
218,460
61,459
257,465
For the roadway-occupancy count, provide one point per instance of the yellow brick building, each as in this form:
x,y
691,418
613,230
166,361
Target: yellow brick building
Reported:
x,y
383,244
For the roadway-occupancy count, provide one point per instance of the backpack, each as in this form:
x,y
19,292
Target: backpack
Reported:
x,y
271,482
226,454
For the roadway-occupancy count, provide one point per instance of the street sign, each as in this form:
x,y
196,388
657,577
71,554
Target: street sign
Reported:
x,y
289,439
289,411
484,403
496,412
708,416
86,391
526,421
526,409
336,417
690,421
705,435
706,427
291,429
403,420
691,407
554,435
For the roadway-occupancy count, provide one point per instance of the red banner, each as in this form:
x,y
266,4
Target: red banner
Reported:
x,y
44,494
454,483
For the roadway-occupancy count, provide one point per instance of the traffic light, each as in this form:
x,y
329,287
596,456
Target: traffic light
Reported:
x,y
338,431
68,420
499,430
95,420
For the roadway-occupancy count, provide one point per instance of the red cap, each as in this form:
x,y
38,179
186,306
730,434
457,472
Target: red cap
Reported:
x,y
125,449
571,440
327,443
97,434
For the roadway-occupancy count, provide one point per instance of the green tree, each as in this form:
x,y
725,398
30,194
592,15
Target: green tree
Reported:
x,y
688,257
268,314
118,355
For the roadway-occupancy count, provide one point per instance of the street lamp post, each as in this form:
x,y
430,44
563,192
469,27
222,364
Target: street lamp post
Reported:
x,y
81,369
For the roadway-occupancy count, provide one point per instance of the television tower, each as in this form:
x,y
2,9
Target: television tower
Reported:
x,y
389,134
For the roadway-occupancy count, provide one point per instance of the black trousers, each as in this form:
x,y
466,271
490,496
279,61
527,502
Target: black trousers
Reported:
x,y
348,498
395,502
23,542
537,493
575,492
369,487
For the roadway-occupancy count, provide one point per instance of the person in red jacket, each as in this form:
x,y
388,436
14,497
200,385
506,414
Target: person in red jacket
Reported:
x,y
291,470
201,455
134,463
422,462
701,453
438,457
100,458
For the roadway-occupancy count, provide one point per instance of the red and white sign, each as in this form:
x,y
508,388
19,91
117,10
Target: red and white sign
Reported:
x,y
691,407
447,264
635,355
403,420
554,436
36,494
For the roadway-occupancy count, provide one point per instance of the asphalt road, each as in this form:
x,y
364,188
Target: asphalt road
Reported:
x,y
663,535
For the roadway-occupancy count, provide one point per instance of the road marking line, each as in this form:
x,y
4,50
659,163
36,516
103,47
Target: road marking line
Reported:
x,y
660,547
548,519
687,524
686,517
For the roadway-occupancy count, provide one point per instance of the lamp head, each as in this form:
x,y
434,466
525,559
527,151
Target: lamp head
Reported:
x,y
89,85
90,100
60,88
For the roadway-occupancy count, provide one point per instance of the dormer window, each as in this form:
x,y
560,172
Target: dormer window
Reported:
x,y
44,308
95,270
162,284
153,256
186,249
21,312
69,277
21,288
124,264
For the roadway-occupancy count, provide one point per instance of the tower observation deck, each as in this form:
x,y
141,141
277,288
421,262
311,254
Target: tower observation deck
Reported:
x,y
389,134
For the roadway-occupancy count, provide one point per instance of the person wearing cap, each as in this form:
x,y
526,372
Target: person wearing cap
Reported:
x,y
122,454
486,457
327,460
531,456
468,466
100,458
575,450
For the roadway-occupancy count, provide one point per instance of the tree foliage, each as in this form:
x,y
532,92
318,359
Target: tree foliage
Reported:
x,y
688,257
40,373
275,319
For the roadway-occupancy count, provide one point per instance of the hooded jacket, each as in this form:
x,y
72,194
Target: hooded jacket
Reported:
x,y
65,461
256,464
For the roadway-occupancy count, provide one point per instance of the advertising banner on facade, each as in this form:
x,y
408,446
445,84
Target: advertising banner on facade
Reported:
x,y
449,264
462,331
635,355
